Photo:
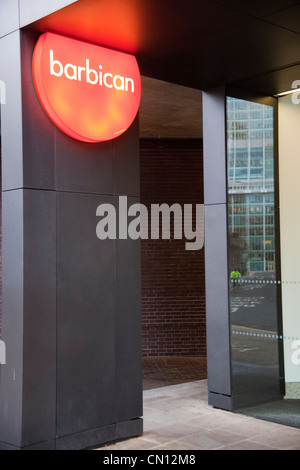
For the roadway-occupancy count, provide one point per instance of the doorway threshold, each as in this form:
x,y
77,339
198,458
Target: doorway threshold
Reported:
x,y
161,372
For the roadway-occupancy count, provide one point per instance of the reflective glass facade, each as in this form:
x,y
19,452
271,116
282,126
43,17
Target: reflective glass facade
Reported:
x,y
254,278
250,150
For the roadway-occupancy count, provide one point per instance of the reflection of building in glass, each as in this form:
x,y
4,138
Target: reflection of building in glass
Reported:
x,y
251,185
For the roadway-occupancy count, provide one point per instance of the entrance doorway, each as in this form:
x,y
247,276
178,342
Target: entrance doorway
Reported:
x,y
173,281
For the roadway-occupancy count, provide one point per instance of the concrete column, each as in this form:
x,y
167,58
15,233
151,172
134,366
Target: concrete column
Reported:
x,y
216,249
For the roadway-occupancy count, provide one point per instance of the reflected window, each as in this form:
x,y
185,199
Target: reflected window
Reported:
x,y
252,252
251,180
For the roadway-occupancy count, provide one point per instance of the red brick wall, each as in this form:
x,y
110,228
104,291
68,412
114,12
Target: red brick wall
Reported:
x,y
173,281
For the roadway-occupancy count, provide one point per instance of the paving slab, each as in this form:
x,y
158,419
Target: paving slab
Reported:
x,y
178,417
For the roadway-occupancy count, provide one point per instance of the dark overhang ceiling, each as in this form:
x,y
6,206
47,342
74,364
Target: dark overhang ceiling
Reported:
x,y
195,43
170,110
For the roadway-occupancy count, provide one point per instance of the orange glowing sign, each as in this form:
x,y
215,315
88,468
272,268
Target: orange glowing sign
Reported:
x,y
91,93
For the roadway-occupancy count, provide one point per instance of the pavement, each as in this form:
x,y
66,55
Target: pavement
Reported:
x,y
177,417
160,371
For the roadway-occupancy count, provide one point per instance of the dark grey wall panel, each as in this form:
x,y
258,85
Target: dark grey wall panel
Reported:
x,y
11,112
38,130
216,245
104,168
127,162
9,18
82,167
131,428
128,329
39,378
28,380
87,439
214,146
31,10
217,304
11,378
220,401
85,317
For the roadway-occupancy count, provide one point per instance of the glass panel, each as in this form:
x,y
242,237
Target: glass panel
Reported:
x,y
252,252
289,165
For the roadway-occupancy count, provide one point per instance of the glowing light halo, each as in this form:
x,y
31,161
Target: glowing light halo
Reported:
x,y
91,93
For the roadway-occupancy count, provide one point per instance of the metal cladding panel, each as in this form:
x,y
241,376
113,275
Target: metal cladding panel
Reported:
x,y
31,10
39,337
128,328
9,18
127,162
11,379
38,130
11,112
214,146
216,242
217,312
82,167
85,317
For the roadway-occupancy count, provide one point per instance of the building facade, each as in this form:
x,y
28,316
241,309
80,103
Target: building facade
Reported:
x,y
71,308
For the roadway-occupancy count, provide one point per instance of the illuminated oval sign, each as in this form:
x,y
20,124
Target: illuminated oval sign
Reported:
x,y
91,93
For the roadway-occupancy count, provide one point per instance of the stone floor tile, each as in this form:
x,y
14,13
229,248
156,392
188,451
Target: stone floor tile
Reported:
x,y
174,419
247,445
175,431
212,440
247,427
176,445
281,437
